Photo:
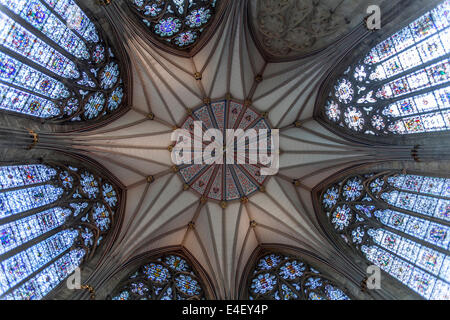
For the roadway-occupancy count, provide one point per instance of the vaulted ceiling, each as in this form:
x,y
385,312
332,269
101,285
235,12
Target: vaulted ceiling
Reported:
x,y
296,28
160,211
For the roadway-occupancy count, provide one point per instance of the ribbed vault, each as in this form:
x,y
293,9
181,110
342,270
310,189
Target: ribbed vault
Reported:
x,y
160,212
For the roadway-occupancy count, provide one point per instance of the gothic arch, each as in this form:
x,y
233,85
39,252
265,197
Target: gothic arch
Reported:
x,y
368,108
280,272
81,83
56,216
370,227
176,26
170,273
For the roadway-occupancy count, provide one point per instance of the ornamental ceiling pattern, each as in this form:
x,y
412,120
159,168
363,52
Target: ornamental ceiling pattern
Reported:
x,y
398,222
291,28
177,23
228,84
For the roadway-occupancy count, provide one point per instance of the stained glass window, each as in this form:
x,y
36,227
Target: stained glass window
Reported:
x,y
402,85
179,23
54,63
282,277
225,182
168,277
399,222
52,217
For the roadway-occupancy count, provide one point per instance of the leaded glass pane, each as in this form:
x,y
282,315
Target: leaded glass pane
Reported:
x,y
40,285
168,277
401,86
54,64
399,222
178,23
282,277
21,231
51,217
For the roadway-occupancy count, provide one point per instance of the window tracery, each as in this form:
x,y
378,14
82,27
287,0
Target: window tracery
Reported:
x,y
402,85
168,277
53,217
282,277
179,23
399,222
55,64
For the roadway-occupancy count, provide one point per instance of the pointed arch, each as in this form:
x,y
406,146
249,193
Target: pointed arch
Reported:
x,y
396,220
165,274
276,272
57,65
395,88
181,27
54,218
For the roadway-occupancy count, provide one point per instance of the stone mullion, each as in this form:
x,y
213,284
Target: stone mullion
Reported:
x,y
150,286
374,223
37,66
11,289
40,95
375,85
303,295
146,283
366,241
384,103
76,221
355,223
27,213
421,194
69,83
418,215
418,114
40,35
379,224
281,280
409,262
28,186
65,22
384,205
407,72
68,224
414,45
81,64
164,290
174,288
278,286
416,240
